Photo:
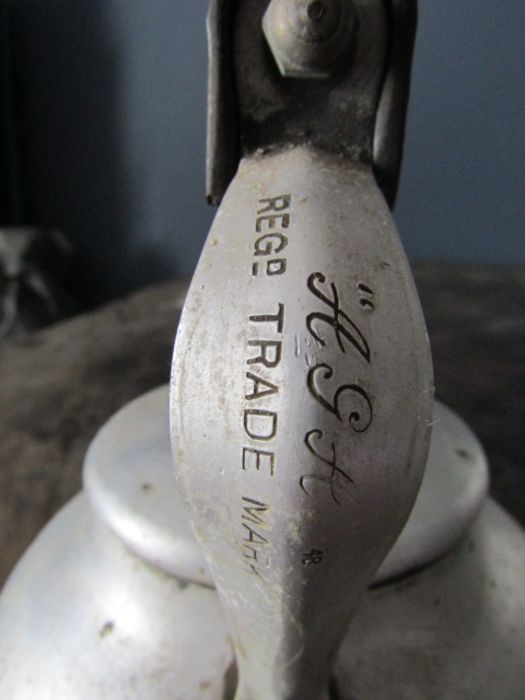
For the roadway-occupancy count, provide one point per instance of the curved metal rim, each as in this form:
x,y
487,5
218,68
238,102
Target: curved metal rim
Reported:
x,y
128,476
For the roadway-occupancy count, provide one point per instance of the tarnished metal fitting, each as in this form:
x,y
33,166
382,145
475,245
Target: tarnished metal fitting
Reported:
x,y
360,116
308,38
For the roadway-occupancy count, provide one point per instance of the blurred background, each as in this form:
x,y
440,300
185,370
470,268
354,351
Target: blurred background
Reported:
x,y
104,135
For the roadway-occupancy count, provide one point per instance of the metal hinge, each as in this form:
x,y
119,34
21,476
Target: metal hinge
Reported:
x,y
355,108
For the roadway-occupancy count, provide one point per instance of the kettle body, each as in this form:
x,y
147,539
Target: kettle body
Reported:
x,y
113,600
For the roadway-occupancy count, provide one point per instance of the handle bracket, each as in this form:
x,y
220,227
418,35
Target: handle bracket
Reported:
x,y
359,112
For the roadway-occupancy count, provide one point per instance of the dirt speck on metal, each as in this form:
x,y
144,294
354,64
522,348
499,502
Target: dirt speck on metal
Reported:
x,y
106,629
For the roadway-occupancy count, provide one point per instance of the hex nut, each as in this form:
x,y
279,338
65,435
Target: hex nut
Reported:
x,y
309,38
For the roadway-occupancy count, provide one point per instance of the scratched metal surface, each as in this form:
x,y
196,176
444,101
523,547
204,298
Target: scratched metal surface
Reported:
x,y
59,385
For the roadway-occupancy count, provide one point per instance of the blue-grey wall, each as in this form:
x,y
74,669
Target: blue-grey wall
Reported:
x,y
462,194
110,101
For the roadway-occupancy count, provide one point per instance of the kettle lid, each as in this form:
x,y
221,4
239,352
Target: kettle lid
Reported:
x,y
129,479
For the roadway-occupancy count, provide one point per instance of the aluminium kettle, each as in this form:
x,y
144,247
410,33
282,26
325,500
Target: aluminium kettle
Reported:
x,y
328,533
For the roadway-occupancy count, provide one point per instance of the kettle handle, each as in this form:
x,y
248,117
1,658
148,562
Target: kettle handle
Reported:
x,y
301,398
301,403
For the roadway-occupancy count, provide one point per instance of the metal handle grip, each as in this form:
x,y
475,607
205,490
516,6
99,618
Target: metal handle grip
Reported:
x,y
301,403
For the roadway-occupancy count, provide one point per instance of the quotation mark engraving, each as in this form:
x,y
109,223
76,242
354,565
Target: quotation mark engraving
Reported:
x,y
366,299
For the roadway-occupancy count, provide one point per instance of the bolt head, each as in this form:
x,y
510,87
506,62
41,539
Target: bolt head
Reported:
x,y
309,38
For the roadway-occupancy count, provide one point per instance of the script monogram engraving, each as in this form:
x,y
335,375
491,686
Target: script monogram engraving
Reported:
x,y
339,321
359,414
336,477
355,417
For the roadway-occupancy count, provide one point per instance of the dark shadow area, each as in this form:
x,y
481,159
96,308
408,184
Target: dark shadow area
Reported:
x,y
84,167
476,323
65,76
